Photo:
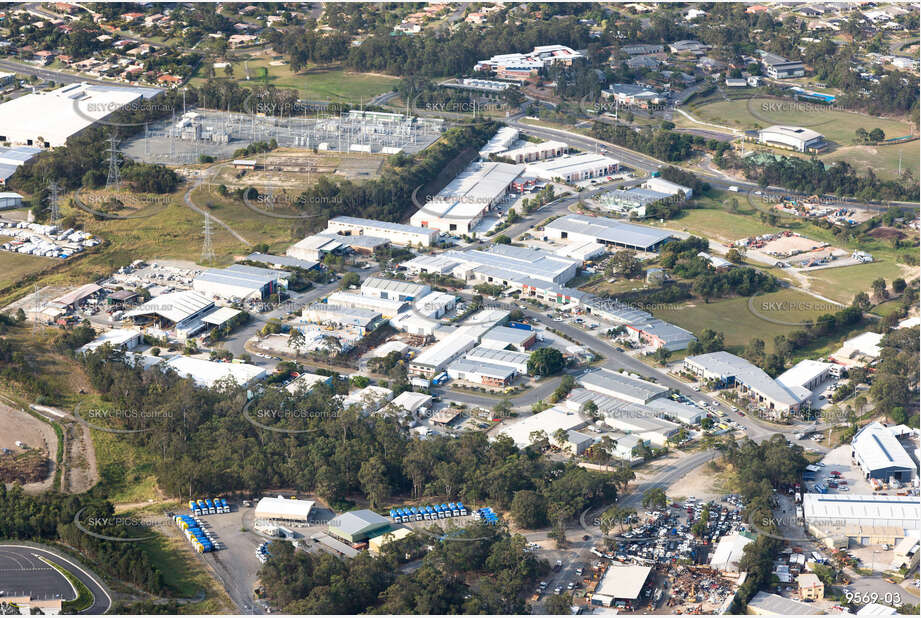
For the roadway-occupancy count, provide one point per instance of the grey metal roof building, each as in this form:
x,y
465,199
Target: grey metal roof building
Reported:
x,y
841,510
516,360
682,412
624,387
397,233
607,232
325,313
502,336
880,455
661,334
478,371
282,260
393,289
533,263
357,526
767,604
179,308
238,281
728,369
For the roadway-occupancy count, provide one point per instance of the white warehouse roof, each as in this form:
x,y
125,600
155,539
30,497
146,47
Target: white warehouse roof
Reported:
x,y
872,509
878,449
58,114
548,421
208,373
282,508
603,230
175,307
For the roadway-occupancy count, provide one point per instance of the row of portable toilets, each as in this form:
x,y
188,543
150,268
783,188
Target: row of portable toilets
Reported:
x,y
200,540
209,506
419,513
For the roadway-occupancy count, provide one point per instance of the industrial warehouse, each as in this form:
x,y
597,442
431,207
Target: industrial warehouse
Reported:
x,y
462,204
838,519
580,228
47,119
796,138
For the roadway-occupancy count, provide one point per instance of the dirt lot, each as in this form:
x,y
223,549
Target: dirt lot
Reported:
x,y
790,245
701,483
16,425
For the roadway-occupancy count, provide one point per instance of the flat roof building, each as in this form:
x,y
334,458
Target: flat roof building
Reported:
x,y
12,158
57,115
500,142
316,247
666,186
341,315
549,421
573,168
767,604
281,261
306,381
858,514
797,138
208,373
728,553
284,509
621,585
624,387
778,67
434,305
606,232
123,338
396,233
507,338
437,357
807,373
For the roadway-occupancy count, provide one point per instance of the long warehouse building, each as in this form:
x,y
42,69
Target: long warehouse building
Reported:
x,y
396,233
48,119
579,228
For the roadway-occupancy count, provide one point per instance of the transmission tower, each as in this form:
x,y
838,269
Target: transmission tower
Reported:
x,y
53,203
113,180
207,249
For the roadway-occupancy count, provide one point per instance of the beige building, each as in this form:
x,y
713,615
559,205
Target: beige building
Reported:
x,y
810,587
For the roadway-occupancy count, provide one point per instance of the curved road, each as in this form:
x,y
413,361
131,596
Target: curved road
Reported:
x,y
27,554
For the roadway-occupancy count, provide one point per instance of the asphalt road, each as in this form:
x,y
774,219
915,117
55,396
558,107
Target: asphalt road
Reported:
x,y
21,572
55,76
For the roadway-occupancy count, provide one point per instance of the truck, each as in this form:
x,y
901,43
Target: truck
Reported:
x,y
734,189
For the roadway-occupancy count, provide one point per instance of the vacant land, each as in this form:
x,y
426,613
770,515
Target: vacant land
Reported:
x,y
14,266
842,284
884,160
314,84
739,320
758,112
715,218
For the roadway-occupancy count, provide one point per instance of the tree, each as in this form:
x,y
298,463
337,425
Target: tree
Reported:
x,y
349,279
545,362
296,339
899,285
861,135
614,516
558,605
862,301
503,408
734,256
627,264
590,409
655,498
373,478
529,509
877,135
662,354
706,423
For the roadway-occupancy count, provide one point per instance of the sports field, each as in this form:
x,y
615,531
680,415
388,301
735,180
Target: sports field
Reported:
x,y
314,84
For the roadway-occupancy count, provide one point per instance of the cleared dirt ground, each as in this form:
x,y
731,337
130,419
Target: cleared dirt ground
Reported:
x,y
20,426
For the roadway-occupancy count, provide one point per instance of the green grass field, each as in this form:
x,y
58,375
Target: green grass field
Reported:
x,y
712,218
14,266
316,83
836,125
768,316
